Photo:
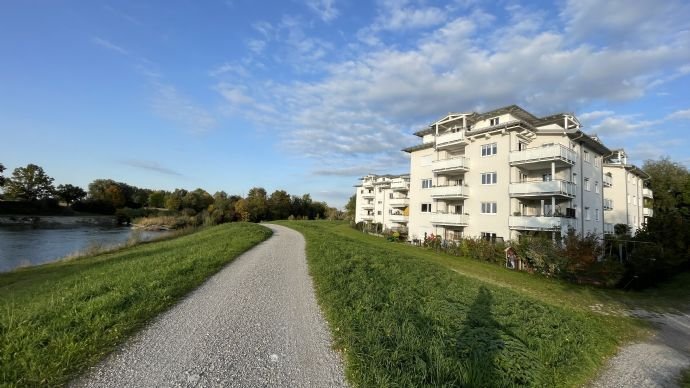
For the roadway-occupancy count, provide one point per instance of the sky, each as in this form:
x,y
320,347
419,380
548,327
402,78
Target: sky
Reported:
x,y
309,95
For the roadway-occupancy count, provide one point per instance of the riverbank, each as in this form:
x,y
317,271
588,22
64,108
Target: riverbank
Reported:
x,y
56,221
60,318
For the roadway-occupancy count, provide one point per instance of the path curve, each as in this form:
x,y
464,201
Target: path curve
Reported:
x,y
256,323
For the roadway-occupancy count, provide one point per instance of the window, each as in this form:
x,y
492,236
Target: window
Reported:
x,y
596,161
587,187
379,212
522,177
547,177
426,208
379,202
488,208
361,191
494,121
488,236
596,214
489,149
596,187
588,215
390,196
586,157
634,200
489,178
522,146
380,189
426,183
575,177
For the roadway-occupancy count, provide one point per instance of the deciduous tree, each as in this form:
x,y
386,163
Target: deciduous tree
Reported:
x,y
70,193
29,184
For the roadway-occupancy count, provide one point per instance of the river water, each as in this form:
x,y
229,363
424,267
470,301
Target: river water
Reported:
x,y
22,246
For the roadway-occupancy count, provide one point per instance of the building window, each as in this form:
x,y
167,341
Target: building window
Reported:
x,y
494,121
489,178
380,202
587,157
426,208
588,215
380,189
596,161
587,187
379,212
488,236
488,208
596,214
390,196
635,200
596,187
426,183
575,177
489,149
547,177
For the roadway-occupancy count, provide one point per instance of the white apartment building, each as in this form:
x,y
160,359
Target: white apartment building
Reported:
x,y
383,199
505,173
626,200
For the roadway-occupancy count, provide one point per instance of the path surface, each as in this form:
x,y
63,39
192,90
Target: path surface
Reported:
x,y
254,324
653,363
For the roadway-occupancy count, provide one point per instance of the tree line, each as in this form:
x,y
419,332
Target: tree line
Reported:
x,y
31,184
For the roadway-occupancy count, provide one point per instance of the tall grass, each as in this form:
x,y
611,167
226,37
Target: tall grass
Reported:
x,y
60,318
402,319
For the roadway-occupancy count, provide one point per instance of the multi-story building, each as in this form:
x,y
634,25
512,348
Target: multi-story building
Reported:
x,y
383,199
626,200
505,173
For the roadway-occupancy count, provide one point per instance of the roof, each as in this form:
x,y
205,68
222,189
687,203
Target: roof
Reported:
x,y
592,143
418,147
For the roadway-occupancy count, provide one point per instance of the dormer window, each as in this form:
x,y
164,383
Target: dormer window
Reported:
x,y
494,121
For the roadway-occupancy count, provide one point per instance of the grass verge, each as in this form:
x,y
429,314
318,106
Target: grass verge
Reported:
x,y
402,317
59,318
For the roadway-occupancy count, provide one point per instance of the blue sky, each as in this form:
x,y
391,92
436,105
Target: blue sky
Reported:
x,y
309,95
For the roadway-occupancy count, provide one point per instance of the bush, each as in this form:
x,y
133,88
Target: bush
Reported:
x,y
94,206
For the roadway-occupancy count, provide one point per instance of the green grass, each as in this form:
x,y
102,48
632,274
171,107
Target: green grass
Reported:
x,y
58,319
405,316
684,380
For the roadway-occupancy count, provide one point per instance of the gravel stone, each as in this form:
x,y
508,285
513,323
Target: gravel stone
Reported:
x,y
256,323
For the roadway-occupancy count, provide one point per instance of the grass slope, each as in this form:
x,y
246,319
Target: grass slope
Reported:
x,y
58,319
402,317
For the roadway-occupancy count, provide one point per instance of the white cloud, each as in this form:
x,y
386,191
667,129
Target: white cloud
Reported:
x,y
622,126
594,115
229,68
680,115
169,104
109,45
324,8
150,166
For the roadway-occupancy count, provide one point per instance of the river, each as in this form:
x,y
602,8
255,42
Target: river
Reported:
x,y
22,246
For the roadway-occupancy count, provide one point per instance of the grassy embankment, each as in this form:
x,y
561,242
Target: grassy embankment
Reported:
x,y
58,319
405,316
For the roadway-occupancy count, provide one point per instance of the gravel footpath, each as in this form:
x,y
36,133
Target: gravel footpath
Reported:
x,y
653,363
254,324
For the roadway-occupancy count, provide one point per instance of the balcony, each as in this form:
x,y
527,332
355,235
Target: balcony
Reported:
x,y
369,195
543,189
450,165
457,191
541,223
367,184
452,219
451,140
398,218
366,217
647,193
400,185
647,212
608,228
541,157
608,180
399,202
608,204
367,206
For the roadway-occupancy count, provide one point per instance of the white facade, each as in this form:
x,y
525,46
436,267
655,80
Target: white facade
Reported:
x,y
628,201
383,199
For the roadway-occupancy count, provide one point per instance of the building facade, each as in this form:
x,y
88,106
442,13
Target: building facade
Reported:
x,y
383,199
627,201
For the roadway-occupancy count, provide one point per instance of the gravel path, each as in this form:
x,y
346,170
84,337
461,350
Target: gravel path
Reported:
x,y
653,363
254,324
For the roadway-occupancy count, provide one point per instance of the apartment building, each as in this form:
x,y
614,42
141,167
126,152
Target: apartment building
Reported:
x,y
383,199
505,173
626,200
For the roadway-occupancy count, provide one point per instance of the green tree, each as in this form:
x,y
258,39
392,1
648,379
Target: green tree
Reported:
x,y
351,207
242,209
257,204
173,201
157,199
670,182
198,200
279,205
2,178
29,184
70,193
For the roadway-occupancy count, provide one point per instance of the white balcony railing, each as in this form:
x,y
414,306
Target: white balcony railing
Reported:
x,y
366,217
368,206
400,185
457,191
540,188
647,193
399,218
548,152
450,219
459,163
608,180
608,204
368,195
450,139
608,228
647,212
541,223
399,202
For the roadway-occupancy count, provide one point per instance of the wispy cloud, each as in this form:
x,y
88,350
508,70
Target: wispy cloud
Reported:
x,y
171,105
680,115
325,9
150,166
109,45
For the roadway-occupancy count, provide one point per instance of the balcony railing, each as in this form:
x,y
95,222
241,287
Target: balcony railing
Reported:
x,y
459,163
542,188
368,184
541,223
608,228
366,217
551,152
369,195
368,206
457,191
399,218
399,202
400,185
608,204
647,212
608,180
450,219
647,193
450,139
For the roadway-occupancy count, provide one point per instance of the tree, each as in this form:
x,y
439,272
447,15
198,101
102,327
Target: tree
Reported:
x,y
351,207
157,199
242,209
279,205
29,184
70,193
257,204
2,178
670,182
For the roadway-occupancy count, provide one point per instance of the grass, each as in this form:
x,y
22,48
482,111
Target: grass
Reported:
x,y
684,380
57,319
405,316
